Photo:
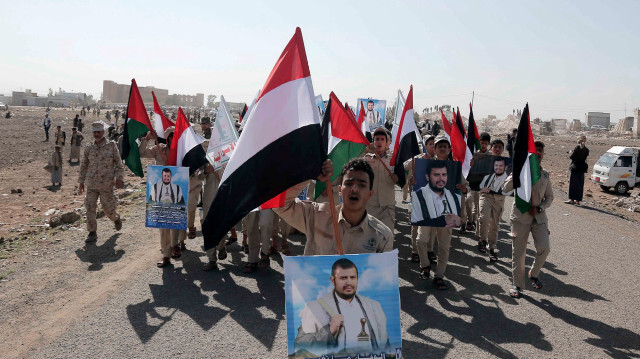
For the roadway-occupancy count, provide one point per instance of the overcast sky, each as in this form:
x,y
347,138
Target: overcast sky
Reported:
x,y
564,57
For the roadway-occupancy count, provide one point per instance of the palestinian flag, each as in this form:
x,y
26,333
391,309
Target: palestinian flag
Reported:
x,y
160,121
526,166
341,138
446,126
281,145
186,147
136,124
459,150
473,138
406,143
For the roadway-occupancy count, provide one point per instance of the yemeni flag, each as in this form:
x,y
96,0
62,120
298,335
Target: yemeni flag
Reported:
x,y
186,147
280,146
526,166
406,143
473,138
160,121
137,124
248,113
341,137
244,112
459,150
446,126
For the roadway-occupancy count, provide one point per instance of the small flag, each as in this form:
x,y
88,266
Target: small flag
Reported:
x,y
342,138
473,138
406,144
459,150
186,147
160,121
526,165
136,124
224,137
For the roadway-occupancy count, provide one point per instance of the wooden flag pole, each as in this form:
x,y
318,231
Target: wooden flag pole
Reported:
x,y
383,165
334,217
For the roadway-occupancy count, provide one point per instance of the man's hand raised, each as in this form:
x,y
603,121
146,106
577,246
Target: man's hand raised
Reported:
x,y
327,171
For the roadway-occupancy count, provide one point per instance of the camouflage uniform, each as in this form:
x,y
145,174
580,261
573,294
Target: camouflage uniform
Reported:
x,y
100,166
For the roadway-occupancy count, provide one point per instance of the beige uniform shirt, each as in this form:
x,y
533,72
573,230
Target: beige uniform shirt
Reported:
x,y
541,196
101,165
159,152
383,191
314,220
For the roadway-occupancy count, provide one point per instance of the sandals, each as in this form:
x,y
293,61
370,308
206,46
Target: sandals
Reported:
x,y
231,240
482,246
535,282
439,284
222,254
493,256
163,262
426,272
183,247
471,227
210,266
415,258
250,267
192,233
175,252
264,262
432,256
515,292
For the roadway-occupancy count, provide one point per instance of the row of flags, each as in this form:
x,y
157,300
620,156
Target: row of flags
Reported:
x,y
284,143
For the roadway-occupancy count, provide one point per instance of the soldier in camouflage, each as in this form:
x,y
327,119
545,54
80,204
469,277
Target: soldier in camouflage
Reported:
x,y
101,168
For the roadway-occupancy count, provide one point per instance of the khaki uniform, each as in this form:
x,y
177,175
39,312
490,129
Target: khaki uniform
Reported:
x,y
491,207
59,138
169,238
314,220
523,223
211,182
382,205
473,199
100,166
195,187
280,225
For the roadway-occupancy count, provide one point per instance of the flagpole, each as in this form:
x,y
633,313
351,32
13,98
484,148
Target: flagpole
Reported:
x,y
383,165
473,94
334,216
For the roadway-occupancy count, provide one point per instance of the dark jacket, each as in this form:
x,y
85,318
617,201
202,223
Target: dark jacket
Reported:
x,y
579,159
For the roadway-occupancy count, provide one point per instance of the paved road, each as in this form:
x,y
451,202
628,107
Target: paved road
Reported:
x,y
588,307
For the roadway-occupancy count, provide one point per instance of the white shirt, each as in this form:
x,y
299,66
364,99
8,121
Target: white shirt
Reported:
x,y
165,193
352,313
438,201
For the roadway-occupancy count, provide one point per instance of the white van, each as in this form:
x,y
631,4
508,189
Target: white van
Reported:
x,y
617,168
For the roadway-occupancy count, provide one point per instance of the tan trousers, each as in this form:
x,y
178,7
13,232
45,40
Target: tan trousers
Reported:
x,y
108,201
258,225
540,233
414,239
386,214
444,244
211,252
208,192
168,238
491,208
475,212
195,186
405,191
280,225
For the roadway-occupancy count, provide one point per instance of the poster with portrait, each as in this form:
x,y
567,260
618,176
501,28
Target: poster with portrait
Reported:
x,y
374,112
167,196
320,105
435,199
488,173
343,306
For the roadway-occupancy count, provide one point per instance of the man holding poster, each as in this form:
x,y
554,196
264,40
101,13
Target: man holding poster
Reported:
x,y
342,320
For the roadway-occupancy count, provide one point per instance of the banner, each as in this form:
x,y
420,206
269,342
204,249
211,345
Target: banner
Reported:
x,y
167,196
343,306
374,112
224,137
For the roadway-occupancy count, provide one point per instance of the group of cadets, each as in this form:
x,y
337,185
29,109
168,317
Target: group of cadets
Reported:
x,y
364,194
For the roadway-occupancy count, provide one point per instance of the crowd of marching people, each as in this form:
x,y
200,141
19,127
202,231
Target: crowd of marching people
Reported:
x,y
364,194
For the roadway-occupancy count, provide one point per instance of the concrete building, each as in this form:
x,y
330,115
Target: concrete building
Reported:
x,y
114,93
598,118
26,98
559,124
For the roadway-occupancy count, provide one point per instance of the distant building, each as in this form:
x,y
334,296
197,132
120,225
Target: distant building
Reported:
x,y
114,93
598,118
26,98
559,124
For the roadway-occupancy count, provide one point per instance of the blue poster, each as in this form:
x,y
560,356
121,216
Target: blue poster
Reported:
x,y
343,306
167,196
374,112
